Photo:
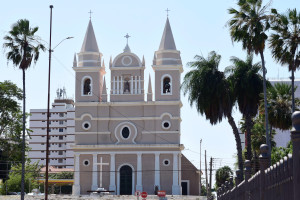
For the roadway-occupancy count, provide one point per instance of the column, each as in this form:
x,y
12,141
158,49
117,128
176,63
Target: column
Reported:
x,y
295,137
157,172
121,92
95,176
175,186
114,85
179,173
140,91
139,183
112,182
118,90
131,85
135,84
76,186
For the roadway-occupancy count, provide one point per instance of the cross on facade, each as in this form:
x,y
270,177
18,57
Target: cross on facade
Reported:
x,y
101,164
168,12
90,14
127,36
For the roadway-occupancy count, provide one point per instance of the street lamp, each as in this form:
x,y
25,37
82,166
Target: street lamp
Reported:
x,y
48,106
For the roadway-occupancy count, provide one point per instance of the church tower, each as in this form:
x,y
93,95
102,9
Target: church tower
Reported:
x,y
167,66
89,71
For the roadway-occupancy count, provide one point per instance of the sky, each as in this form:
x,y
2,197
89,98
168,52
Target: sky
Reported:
x,y
198,27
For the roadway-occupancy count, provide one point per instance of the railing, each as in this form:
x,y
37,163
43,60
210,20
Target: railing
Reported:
x,y
280,181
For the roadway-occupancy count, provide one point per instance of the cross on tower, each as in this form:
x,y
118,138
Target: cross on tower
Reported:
x,y
127,36
90,14
168,12
101,164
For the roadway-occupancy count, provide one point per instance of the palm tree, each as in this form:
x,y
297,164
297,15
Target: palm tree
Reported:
x,y
248,25
23,47
247,85
285,42
209,90
279,105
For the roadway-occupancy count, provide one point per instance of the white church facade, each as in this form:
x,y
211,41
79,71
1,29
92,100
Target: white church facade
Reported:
x,y
132,141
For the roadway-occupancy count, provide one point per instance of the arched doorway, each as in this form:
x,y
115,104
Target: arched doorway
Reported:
x,y
125,180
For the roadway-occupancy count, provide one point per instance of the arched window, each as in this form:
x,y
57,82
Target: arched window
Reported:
x,y
87,90
166,85
126,86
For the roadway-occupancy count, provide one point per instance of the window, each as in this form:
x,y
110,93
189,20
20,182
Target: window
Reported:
x,y
61,114
166,124
60,160
86,163
49,122
125,132
60,153
43,128
126,86
87,87
59,145
166,162
43,113
61,130
61,137
61,122
86,125
43,121
166,85
42,143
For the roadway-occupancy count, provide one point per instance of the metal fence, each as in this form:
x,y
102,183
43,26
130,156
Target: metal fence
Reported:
x,y
280,181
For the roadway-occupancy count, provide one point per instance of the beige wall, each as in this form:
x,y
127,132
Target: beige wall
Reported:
x,y
85,173
148,164
166,173
189,172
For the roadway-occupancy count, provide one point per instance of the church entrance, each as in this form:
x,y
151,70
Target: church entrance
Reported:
x,y
125,180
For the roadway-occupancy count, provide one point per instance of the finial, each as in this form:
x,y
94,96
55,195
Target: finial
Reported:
x,y
168,12
127,36
90,14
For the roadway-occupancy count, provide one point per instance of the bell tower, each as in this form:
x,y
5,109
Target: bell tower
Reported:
x,y
88,69
167,66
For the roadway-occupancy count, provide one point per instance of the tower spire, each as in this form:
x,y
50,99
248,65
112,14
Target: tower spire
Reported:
x,y
149,93
167,41
90,43
75,61
104,92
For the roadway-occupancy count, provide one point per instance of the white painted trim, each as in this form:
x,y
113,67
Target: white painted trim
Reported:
x,y
98,133
168,68
130,60
188,186
123,124
162,84
160,132
86,115
82,85
123,152
126,54
88,69
118,178
125,68
86,122
166,128
143,103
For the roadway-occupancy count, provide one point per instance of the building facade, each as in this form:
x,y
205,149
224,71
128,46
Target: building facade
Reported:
x,y
131,142
61,132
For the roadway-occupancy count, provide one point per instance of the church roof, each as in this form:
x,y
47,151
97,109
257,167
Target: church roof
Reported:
x,y
90,42
167,41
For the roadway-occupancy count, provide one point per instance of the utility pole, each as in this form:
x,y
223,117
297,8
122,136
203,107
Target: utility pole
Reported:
x,y
206,179
210,174
200,184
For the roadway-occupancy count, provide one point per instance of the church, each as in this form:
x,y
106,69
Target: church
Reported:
x,y
128,140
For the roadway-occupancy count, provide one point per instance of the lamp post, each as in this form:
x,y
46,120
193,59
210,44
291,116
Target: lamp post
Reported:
x,y
48,106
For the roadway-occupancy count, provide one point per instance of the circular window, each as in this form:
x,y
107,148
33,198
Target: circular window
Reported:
x,y
86,162
166,124
166,162
86,125
126,60
125,132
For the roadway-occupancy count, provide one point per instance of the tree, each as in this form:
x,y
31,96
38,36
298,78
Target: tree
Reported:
x,y
279,153
247,85
248,25
62,175
280,105
223,174
13,184
23,48
285,42
209,90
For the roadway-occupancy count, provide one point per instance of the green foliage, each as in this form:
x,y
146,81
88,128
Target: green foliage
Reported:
x,y
24,46
13,184
279,153
223,174
208,88
62,175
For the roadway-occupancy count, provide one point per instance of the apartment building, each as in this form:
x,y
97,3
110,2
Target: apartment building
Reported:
x,y
61,134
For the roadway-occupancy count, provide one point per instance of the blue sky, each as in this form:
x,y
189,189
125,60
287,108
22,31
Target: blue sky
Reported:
x,y
198,27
